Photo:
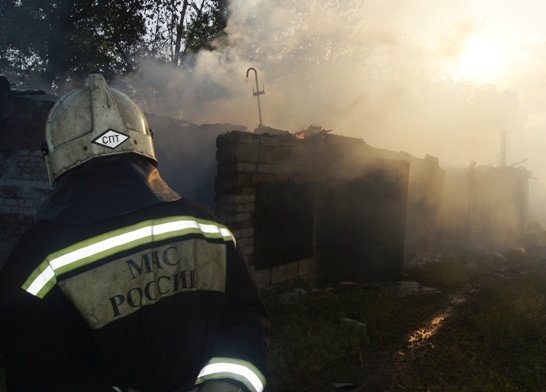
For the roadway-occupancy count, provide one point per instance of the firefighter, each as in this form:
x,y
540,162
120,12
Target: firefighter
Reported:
x,y
123,285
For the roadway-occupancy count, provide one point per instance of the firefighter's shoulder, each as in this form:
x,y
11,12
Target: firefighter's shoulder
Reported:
x,y
29,251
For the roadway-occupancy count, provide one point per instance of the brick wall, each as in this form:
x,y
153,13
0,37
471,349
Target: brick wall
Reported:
x,y
246,161
23,175
23,119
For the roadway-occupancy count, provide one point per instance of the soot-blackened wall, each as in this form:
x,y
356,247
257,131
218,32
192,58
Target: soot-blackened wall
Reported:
x,y
323,206
23,175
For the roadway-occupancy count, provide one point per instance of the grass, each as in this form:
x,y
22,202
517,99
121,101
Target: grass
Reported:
x,y
311,348
495,343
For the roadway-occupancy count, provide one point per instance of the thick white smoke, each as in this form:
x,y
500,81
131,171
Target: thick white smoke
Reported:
x,y
381,70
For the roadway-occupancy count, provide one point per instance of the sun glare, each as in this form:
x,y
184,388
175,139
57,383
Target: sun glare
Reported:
x,y
482,60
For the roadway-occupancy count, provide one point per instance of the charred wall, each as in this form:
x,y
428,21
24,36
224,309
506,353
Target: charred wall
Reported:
x,y
187,155
424,202
286,208
319,206
23,176
486,207
425,195
360,224
336,207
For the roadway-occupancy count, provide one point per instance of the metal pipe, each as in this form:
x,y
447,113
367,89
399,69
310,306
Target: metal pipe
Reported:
x,y
502,158
519,162
256,93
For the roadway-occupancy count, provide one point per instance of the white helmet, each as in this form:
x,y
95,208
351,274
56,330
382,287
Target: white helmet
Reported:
x,y
94,121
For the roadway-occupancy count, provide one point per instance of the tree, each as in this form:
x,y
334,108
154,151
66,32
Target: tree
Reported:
x,y
64,40
179,27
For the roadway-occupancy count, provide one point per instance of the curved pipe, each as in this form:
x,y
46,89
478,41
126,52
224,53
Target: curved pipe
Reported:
x,y
256,93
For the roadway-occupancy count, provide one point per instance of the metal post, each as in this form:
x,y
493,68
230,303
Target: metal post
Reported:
x,y
502,159
256,93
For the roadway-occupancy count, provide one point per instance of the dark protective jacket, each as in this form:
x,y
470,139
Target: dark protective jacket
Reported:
x,y
123,283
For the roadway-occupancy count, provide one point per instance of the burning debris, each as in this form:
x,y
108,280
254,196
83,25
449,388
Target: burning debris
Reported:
x,y
312,131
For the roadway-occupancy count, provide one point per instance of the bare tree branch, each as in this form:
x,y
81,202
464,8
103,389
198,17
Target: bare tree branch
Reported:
x,y
180,32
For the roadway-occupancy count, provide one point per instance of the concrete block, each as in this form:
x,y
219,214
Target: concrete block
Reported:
x,y
286,169
224,140
263,177
225,153
247,250
265,168
235,217
225,181
308,266
237,208
261,277
246,153
246,137
270,154
245,167
240,152
277,169
274,141
226,198
284,272
247,232
245,242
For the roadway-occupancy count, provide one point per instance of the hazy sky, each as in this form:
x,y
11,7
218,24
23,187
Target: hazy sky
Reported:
x,y
442,77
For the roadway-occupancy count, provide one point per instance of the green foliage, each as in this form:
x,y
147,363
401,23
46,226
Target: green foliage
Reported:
x,y
61,41
206,26
497,342
177,28
64,39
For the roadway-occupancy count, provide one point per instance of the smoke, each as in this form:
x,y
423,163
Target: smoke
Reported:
x,y
360,68
381,70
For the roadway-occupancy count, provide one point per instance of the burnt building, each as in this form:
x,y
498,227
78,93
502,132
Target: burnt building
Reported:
x,y
425,196
326,206
486,207
306,205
